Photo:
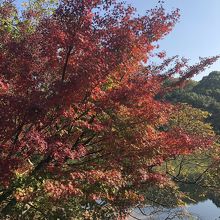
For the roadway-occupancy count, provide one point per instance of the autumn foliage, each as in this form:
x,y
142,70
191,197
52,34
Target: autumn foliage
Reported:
x,y
83,122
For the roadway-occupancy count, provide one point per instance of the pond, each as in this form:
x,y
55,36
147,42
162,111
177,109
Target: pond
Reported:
x,y
205,210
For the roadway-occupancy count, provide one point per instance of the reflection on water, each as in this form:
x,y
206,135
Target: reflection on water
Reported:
x,y
203,203
205,210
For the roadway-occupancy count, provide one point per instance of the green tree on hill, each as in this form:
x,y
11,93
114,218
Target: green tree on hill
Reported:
x,y
204,95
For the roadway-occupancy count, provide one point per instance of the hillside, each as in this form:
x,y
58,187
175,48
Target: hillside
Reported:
x,y
204,94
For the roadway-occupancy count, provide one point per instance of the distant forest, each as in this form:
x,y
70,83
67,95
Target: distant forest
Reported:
x,y
204,95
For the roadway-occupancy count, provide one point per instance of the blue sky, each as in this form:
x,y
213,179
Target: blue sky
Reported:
x,y
196,35
198,32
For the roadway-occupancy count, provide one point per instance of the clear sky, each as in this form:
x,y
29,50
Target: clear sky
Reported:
x,y
196,35
198,32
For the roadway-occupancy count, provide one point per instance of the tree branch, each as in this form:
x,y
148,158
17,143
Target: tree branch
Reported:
x,y
66,62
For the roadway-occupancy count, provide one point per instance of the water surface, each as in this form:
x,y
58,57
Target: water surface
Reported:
x,y
205,210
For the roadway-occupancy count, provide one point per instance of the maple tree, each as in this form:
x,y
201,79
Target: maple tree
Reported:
x,y
80,117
